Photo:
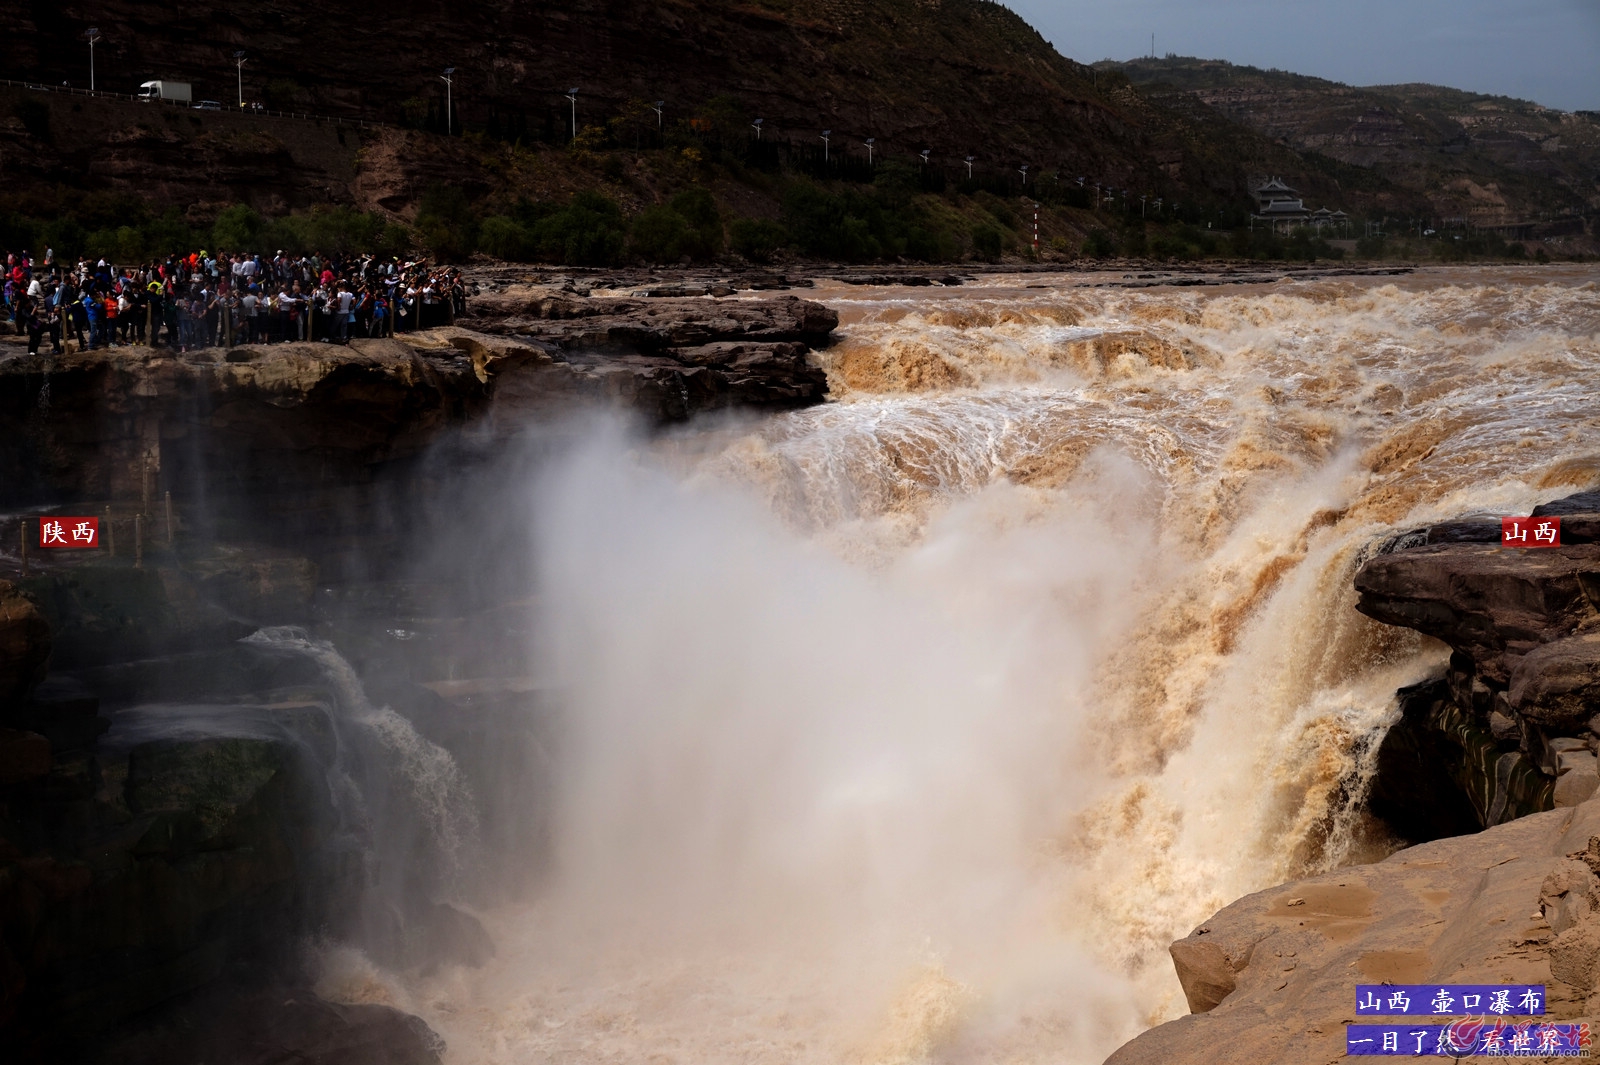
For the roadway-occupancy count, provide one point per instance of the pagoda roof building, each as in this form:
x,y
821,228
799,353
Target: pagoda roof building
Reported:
x,y
1276,199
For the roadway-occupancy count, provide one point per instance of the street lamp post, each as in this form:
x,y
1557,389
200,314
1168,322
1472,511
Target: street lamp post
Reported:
x,y
1023,170
757,124
969,160
925,154
449,104
238,62
93,34
572,94
869,142
825,135
657,108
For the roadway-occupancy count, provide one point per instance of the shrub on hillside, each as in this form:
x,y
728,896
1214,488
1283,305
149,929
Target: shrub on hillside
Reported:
x,y
1099,244
505,238
757,239
660,235
829,225
446,223
987,242
236,228
699,210
690,226
589,231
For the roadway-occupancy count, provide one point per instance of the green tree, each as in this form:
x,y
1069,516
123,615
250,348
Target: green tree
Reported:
x,y
506,238
446,223
757,239
661,235
699,211
987,241
589,231
236,228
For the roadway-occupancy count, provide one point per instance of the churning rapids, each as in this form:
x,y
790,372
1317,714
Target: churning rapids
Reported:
x,y
914,726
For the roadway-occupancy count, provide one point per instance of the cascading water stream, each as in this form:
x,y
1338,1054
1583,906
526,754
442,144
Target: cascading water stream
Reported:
x,y
914,726
437,791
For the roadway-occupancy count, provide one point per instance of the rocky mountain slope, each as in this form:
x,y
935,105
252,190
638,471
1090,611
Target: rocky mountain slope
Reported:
x,y
955,77
1491,160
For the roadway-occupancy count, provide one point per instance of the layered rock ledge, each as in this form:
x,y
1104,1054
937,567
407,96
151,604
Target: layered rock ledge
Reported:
x,y
96,424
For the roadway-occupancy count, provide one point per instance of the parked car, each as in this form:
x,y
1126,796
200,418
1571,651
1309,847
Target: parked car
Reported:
x,y
208,105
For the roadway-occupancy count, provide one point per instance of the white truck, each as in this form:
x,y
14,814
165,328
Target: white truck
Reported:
x,y
180,92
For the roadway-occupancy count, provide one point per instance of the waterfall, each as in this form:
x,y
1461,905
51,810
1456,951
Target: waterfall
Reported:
x,y
385,777
914,726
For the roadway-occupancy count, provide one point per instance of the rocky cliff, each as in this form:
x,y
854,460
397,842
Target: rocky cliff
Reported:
x,y
1505,738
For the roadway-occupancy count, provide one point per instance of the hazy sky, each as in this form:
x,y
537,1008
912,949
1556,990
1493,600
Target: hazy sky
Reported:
x,y
1542,50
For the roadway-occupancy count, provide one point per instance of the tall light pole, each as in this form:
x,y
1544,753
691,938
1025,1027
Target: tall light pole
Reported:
x,y
1023,170
449,109
925,153
572,94
93,34
238,62
825,135
1141,206
869,142
757,124
657,107
969,160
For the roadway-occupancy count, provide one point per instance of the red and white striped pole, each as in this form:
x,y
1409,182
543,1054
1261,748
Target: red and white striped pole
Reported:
x,y
1036,230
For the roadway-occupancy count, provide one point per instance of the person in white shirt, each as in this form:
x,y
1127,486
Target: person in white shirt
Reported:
x,y
344,312
289,307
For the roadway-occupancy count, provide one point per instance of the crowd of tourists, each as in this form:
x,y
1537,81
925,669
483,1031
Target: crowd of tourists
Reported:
x,y
202,300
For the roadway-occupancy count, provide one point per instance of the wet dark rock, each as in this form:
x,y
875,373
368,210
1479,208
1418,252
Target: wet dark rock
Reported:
x,y
132,875
1557,684
451,936
24,756
904,280
666,359
1491,603
1441,772
24,646
1581,503
270,1026
65,712
640,325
